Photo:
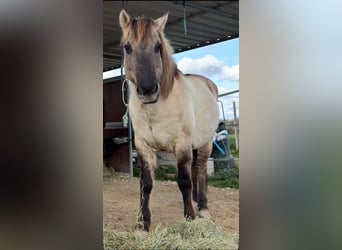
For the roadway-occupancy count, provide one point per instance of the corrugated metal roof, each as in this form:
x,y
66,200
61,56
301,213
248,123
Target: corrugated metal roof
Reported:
x,y
208,22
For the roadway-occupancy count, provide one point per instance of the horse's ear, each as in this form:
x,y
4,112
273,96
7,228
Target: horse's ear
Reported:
x,y
124,19
161,21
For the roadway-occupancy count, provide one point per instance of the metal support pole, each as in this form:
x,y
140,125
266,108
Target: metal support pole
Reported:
x,y
229,93
224,118
130,160
235,128
130,138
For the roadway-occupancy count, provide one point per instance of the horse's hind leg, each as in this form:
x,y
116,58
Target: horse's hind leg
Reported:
x,y
203,154
184,160
194,175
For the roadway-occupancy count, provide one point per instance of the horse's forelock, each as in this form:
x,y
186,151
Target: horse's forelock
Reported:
x,y
139,28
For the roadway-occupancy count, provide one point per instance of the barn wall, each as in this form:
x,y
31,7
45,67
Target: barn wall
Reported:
x,y
113,110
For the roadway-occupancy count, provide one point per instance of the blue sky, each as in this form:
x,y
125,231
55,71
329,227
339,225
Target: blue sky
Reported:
x,y
219,62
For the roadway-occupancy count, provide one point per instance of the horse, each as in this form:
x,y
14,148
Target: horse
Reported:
x,y
170,111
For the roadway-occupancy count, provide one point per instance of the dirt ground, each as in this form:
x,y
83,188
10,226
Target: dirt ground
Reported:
x,y
121,204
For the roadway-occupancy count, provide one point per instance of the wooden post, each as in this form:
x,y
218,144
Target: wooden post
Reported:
x,y
235,128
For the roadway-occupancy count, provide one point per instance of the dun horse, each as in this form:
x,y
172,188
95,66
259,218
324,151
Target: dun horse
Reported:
x,y
170,111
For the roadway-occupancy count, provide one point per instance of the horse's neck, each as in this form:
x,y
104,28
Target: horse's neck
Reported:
x,y
164,109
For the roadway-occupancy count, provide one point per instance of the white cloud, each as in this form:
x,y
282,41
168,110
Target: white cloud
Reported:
x,y
209,66
230,73
222,89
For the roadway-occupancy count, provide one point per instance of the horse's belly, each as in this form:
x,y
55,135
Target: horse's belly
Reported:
x,y
200,138
206,122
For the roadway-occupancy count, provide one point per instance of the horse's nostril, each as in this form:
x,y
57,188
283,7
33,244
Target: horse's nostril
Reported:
x,y
147,91
142,91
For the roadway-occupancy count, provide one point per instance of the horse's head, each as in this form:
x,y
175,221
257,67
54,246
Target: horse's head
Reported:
x,y
143,59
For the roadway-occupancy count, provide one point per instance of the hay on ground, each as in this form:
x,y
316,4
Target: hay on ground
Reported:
x,y
197,234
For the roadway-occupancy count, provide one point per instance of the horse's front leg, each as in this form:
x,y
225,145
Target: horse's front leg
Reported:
x,y
184,160
147,162
146,185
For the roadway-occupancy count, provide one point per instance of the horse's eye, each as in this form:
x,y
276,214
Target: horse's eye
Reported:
x,y
158,47
128,48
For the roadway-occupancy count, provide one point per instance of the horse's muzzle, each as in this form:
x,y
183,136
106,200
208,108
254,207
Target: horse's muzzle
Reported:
x,y
148,96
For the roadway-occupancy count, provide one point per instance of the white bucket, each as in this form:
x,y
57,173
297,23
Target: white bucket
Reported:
x,y
210,166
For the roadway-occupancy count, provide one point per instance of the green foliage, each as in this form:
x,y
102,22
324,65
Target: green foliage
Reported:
x,y
223,177
231,141
136,171
235,153
165,173
232,183
161,174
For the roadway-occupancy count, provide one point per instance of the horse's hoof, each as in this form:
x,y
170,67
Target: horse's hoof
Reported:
x,y
204,214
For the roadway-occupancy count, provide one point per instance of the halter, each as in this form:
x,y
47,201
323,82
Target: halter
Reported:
x,y
125,116
123,93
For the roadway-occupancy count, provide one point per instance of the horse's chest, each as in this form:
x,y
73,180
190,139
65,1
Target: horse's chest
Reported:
x,y
158,136
159,132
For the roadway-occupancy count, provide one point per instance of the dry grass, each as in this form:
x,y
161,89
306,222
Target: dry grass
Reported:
x,y
108,173
198,234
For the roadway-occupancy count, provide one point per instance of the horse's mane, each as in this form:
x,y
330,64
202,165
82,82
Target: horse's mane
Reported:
x,y
141,27
169,67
